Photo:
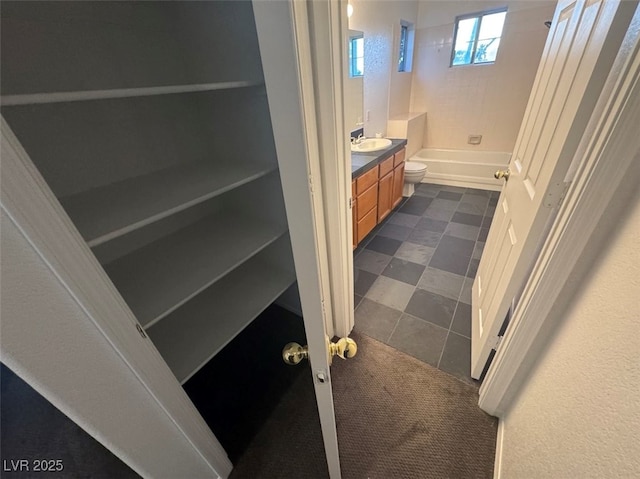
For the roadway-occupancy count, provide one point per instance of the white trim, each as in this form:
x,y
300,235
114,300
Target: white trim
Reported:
x,y
304,51
66,96
605,179
461,181
329,44
285,49
497,465
31,206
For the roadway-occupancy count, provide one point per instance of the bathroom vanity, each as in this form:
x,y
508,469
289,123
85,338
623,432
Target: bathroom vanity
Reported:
x,y
377,181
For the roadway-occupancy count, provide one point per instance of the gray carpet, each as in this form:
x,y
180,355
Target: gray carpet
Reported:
x,y
31,428
401,418
397,417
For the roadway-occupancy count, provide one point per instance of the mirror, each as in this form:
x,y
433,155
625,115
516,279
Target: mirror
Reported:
x,y
354,84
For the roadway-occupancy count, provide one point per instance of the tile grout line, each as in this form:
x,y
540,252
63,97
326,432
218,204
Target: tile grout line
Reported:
x,y
460,293
395,327
444,345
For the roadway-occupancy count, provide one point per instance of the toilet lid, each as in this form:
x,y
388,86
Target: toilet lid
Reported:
x,y
414,166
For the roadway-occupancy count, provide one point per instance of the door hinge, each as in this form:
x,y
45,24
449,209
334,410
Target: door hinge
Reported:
x,y
555,195
351,203
497,343
310,183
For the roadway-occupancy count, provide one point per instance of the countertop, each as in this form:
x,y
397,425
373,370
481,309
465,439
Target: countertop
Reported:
x,y
363,162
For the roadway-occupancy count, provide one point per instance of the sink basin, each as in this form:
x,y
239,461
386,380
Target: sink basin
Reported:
x,y
371,144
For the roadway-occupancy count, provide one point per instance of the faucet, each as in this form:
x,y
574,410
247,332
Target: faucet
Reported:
x,y
357,141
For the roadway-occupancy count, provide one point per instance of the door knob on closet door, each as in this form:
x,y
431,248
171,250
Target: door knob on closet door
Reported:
x,y
344,348
502,174
293,353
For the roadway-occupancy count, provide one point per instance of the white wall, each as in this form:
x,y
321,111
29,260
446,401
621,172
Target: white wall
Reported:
x,y
386,91
579,413
477,99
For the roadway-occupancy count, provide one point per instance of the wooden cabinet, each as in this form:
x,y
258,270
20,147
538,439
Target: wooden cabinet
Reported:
x,y
398,184
367,223
375,194
385,188
366,203
386,166
365,181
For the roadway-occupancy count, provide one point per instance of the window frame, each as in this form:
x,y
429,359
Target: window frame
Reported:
x,y
479,16
405,49
353,57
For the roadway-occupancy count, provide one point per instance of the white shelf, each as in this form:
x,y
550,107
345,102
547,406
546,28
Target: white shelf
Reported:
x,y
162,276
189,337
67,96
104,213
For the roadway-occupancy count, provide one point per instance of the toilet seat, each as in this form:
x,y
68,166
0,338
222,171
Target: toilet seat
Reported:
x,y
414,167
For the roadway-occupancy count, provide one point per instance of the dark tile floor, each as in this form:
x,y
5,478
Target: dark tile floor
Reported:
x,y
413,275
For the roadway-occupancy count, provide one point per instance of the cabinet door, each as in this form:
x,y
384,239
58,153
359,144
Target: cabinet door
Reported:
x,y
385,199
367,201
398,183
367,223
386,166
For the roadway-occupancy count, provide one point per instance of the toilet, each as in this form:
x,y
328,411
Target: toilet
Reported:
x,y
413,173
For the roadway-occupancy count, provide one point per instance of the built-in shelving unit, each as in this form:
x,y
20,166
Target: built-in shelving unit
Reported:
x,y
199,255
192,335
136,202
150,123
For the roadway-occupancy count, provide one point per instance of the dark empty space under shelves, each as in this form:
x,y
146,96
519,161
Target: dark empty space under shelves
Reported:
x,y
236,391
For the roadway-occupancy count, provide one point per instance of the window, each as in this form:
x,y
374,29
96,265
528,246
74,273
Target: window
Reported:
x,y
356,56
404,33
477,37
406,46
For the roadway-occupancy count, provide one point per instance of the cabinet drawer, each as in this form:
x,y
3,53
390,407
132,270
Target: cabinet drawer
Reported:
x,y
367,200
365,181
386,166
366,224
399,157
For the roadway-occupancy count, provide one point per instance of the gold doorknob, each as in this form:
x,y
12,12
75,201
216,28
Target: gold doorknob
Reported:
x,y
293,353
502,174
344,348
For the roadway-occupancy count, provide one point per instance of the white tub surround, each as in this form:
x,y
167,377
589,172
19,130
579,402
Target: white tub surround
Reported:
x,y
465,168
410,126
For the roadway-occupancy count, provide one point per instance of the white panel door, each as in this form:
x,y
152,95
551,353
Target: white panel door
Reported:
x,y
582,43
283,36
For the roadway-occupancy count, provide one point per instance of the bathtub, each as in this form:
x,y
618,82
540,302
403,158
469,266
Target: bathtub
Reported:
x,y
470,169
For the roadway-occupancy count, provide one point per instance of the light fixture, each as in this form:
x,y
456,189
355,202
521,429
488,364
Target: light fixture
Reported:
x,y
349,10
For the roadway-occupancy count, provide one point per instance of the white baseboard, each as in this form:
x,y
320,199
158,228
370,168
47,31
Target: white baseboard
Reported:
x,y
462,183
497,467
